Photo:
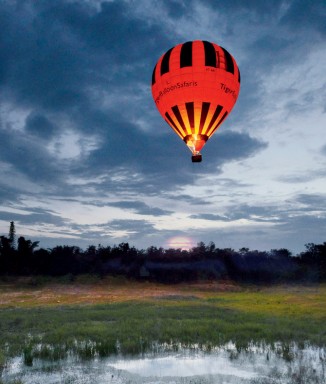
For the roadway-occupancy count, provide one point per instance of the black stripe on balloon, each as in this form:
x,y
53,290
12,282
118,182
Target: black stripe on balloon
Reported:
x,y
165,64
219,123
177,114
171,122
228,61
210,54
239,77
204,112
186,55
153,75
215,116
191,114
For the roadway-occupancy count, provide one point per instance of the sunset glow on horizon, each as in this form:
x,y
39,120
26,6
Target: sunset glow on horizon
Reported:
x,y
182,242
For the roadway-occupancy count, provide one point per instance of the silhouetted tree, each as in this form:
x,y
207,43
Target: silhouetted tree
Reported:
x,y
12,234
26,246
165,265
40,262
5,251
243,251
199,251
154,252
63,260
315,257
8,256
24,254
281,253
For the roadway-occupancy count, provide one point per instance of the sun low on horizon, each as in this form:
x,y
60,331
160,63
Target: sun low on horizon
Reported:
x,y
181,242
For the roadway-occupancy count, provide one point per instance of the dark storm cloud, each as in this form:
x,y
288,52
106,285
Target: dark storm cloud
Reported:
x,y
210,216
84,235
140,208
39,125
277,213
228,146
297,14
255,7
113,29
193,200
9,195
314,202
303,177
306,14
256,213
42,66
176,8
55,54
130,225
243,211
274,213
140,161
135,228
266,44
153,160
30,158
54,50
45,217
289,31
270,214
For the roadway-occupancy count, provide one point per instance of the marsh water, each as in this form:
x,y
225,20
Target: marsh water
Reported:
x,y
227,364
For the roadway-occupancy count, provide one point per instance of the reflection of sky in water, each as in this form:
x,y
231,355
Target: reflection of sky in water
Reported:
x,y
185,366
223,366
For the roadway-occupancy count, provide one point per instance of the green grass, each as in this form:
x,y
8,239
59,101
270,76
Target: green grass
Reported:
x,y
210,318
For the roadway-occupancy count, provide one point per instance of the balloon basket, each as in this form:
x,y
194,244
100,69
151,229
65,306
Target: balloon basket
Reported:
x,y
196,158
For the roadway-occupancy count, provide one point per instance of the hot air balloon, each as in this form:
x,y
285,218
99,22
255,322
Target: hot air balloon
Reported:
x,y
195,86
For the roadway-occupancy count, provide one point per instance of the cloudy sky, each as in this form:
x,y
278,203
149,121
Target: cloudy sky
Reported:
x,y
85,157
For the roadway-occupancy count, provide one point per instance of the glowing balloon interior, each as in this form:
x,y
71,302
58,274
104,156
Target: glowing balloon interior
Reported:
x,y
195,86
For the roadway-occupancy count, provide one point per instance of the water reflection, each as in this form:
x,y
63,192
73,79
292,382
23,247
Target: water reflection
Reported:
x,y
181,366
255,364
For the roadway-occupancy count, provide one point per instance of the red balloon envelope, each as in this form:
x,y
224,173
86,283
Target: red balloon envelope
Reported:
x,y
195,86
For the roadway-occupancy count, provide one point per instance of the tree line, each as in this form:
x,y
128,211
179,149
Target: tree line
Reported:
x,y
24,257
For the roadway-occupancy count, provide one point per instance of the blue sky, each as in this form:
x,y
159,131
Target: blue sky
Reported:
x,y
85,157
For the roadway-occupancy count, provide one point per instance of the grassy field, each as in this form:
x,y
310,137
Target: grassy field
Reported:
x,y
49,318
